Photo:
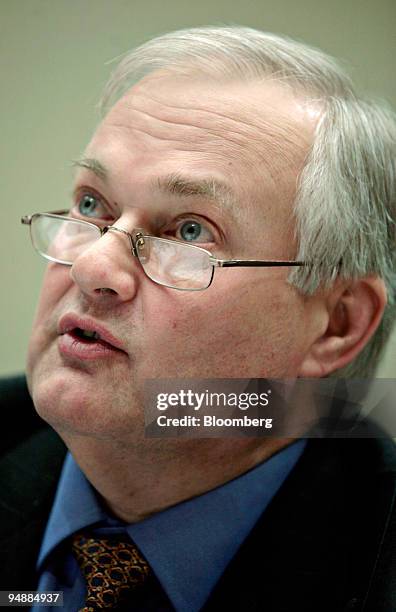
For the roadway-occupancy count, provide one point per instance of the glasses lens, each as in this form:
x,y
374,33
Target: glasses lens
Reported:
x,y
173,264
62,240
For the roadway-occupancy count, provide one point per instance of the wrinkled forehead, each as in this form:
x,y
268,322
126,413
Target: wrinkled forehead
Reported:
x,y
265,116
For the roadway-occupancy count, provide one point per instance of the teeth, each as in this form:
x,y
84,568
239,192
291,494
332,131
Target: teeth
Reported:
x,y
90,334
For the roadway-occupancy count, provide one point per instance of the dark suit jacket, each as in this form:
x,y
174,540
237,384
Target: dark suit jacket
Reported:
x,y
325,543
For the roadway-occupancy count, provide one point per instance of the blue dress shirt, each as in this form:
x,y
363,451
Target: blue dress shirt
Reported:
x,y
188,546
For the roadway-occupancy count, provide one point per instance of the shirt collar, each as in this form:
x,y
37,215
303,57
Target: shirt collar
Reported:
x,y
75,507
188,545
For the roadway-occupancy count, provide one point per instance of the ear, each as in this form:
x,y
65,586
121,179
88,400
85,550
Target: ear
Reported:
x,y
354,311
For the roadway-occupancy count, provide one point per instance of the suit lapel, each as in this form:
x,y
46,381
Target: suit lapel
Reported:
x,y
29,474
315,546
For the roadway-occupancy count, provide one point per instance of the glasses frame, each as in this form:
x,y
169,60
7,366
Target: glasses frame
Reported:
x,y
138,234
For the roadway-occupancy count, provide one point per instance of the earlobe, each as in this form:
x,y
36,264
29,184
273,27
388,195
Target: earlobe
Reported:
x,y
354,313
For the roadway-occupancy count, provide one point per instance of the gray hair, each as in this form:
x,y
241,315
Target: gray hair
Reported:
x,y
345,202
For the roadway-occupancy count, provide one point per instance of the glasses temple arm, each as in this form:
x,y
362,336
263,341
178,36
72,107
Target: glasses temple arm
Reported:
x,y
229,263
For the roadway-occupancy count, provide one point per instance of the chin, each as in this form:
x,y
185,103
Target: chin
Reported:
x,y
58,398
72,402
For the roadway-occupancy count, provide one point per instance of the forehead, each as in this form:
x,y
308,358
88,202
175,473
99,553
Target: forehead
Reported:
x,y
249,137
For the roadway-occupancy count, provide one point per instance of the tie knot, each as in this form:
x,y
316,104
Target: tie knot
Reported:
x,y
111,568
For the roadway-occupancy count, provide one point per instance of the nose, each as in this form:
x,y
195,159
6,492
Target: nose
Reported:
x,y
108,268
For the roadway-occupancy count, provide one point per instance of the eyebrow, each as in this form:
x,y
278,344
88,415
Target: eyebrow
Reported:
x,y
176,184
89,163
218,192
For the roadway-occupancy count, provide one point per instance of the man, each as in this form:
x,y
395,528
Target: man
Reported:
x,y
251,147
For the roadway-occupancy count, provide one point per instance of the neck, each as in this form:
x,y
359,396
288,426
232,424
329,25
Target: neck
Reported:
x,y
137,480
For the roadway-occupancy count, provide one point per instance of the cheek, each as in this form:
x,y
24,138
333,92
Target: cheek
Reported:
x,y
242,331
56,283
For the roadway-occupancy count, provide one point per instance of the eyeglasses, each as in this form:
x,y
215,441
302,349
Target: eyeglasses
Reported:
x,y
167,262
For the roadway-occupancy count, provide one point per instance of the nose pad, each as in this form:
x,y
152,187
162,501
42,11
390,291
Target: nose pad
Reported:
x,y
142,246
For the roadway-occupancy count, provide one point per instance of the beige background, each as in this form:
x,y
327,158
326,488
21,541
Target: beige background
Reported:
x,y
53,66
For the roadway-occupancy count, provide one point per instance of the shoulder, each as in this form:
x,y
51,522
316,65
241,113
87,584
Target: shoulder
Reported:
x,y
31,457
19,417
26,439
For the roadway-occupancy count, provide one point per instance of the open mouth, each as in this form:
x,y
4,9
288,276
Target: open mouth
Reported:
x,y
86,344
86,339
86,336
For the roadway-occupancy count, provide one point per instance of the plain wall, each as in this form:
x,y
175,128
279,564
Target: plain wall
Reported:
x,y
53,64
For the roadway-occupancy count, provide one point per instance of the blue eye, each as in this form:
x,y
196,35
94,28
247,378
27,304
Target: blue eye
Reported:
x,y
88,206
191,230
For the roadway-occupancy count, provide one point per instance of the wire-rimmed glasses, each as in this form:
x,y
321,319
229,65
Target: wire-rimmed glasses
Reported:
x,y
167,262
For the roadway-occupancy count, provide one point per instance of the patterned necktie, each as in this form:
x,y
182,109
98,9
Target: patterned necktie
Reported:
x,y
111,568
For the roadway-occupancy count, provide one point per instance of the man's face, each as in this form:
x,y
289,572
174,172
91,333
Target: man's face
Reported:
x,y
162,138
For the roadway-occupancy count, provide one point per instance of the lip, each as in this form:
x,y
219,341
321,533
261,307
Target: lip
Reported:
x,y
73,346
